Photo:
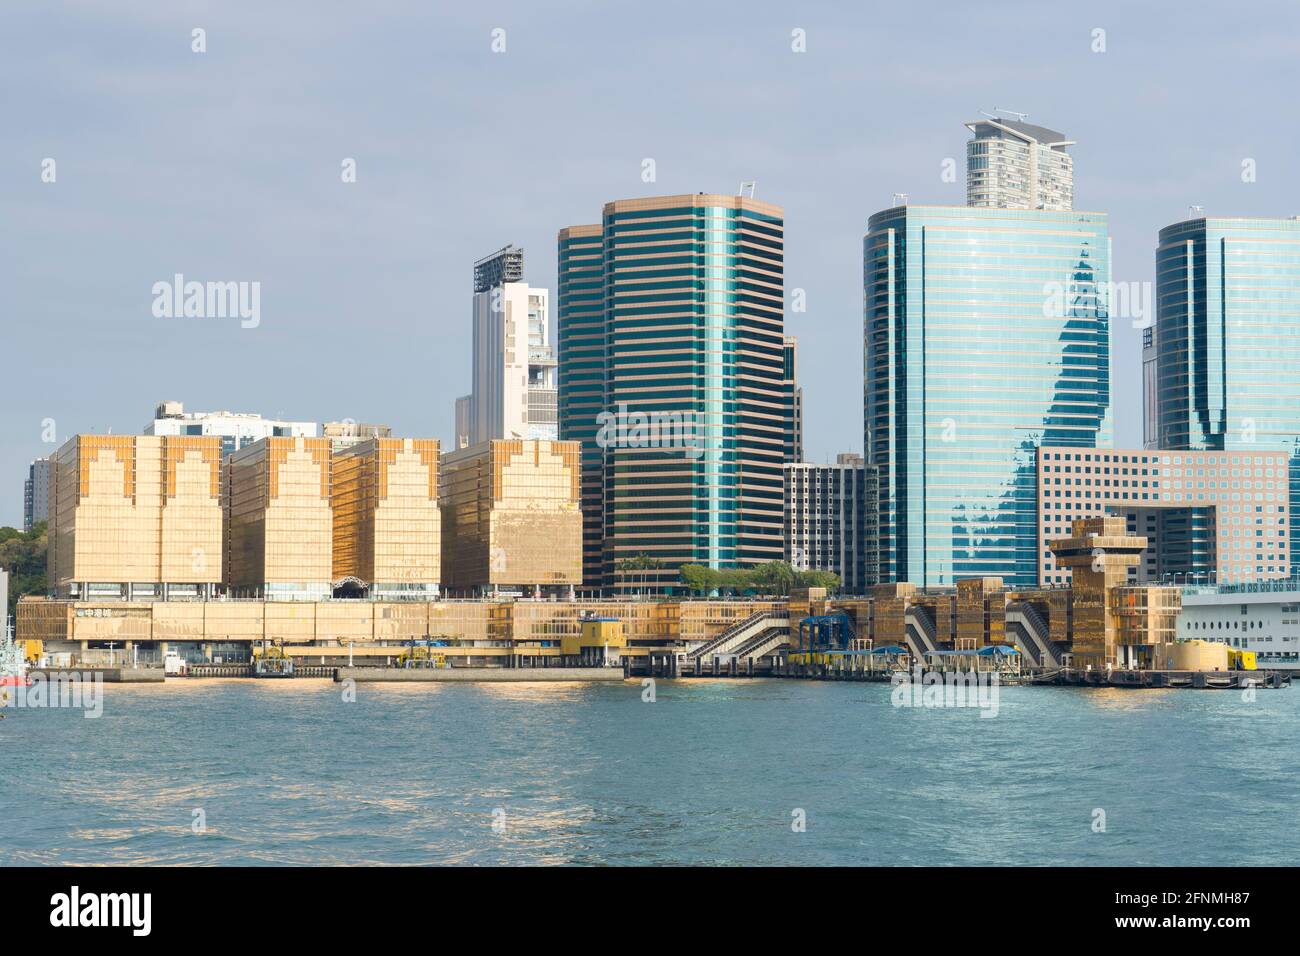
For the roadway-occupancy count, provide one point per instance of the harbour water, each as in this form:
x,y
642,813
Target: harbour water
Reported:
x,y
710,772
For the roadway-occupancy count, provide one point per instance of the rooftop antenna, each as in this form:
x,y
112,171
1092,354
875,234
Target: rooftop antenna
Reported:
x,y
751,184
1196,211
899,199
1020,116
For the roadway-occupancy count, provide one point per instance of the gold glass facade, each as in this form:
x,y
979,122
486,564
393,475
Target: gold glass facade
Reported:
x,y
511,515
279,521
132,514
981,617
387,523
545,623
1099,553
1147,618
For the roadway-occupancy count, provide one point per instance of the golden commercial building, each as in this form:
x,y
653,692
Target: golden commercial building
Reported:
x,y
1099,552
387,524
279,520
511,516
135,517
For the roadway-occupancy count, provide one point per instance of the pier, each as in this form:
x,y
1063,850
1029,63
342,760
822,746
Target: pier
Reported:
x,y
1196,680
109,675
434,675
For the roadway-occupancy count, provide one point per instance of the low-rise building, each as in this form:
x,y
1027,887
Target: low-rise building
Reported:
x,y
1260,616
234,429
1207,513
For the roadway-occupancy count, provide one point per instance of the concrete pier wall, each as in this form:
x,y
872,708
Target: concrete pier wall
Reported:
x,y
477,674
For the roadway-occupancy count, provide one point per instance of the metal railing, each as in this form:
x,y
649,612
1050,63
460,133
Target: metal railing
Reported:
x,y
773,636
731,632
922,622
1034,631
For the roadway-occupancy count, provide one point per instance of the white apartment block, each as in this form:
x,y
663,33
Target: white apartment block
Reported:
x,y
513,379
235,429
1011,164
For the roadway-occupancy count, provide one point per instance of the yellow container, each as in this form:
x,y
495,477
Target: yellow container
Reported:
x,y
1241,660
31,650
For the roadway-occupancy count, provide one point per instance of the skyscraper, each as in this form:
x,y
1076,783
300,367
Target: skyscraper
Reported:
x,y
672,375
513,391
794,453
1011,164
830,520
1227,344
1150,395
580,334
504,265
986,335
36,494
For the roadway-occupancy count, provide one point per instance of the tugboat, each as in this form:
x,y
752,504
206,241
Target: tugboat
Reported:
x,y
272,661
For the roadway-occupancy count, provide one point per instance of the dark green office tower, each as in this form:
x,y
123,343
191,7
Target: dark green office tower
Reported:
x,y
675,382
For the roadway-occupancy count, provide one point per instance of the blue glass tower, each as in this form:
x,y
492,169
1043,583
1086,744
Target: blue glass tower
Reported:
x,y
1228,345
986,335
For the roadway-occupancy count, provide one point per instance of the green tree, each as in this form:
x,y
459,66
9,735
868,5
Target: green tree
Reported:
x,y
696,577
818,579
23,555
774,577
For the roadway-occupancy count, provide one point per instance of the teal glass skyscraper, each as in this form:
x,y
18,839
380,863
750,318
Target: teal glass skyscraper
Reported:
x,y
986,335
1227,342
672,374
581,370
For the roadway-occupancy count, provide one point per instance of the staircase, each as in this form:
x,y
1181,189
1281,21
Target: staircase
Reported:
x,y
763,643
741,632
1032,634
920,632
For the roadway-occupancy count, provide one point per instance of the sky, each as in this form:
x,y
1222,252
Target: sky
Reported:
x,y
226,165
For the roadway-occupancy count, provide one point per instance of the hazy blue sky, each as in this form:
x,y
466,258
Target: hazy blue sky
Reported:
x,y
226,166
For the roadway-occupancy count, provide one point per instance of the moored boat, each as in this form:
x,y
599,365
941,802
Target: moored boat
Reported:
x,y
13,666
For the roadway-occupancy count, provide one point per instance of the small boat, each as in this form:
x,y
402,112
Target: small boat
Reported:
x,y
13,666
